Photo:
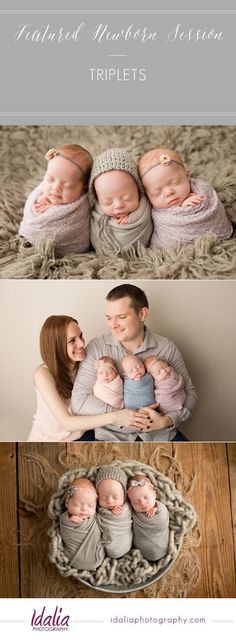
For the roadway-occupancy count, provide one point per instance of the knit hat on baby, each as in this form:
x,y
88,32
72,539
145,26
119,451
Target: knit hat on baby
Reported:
x,y
112,159
111,472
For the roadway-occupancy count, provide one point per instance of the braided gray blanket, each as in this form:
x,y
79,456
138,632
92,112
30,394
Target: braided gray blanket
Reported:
x,y
132,570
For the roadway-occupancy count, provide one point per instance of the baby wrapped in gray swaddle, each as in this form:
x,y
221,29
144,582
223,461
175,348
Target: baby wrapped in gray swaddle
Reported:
x,y
114,513
121,213
79,529
150,519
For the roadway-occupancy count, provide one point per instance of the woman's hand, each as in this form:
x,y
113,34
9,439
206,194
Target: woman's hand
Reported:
x,y
156,420
128,418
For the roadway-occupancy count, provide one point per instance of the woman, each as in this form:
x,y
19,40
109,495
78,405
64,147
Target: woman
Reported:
x,y
62,349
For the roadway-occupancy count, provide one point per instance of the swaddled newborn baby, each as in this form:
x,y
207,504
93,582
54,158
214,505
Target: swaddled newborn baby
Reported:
x,y
183,209
114,513
138,384
78,526
58,209
109,385
150,518
121,213
169,385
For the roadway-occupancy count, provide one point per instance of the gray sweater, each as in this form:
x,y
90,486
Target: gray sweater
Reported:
x,y
84,402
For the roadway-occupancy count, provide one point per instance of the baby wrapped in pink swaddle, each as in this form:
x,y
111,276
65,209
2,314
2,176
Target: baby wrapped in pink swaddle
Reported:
x,y
58,209
109,385
183,209
169,386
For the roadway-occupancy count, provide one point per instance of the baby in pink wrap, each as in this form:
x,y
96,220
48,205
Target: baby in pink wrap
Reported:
x,y
169,386
58,209
109,385
183,209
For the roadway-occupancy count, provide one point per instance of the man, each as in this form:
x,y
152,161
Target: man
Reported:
x,y
127,310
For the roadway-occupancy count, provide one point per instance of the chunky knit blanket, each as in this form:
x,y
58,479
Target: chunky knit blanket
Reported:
x,y
151,534
67,226
111,393
170,393
186,224
132,570
139,393
82,542
117,533
105,231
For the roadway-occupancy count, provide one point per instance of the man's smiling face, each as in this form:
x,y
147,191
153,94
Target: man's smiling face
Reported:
x,y
123,320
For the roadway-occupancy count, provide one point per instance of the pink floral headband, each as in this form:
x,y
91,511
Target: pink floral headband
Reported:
x,y
164,159
55,152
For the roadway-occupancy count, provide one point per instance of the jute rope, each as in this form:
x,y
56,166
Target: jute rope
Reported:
x,y
132,569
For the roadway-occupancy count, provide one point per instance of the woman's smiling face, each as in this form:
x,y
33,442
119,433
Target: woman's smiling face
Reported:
x,y
75,342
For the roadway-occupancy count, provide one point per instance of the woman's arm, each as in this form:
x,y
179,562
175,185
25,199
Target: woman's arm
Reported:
x,y
45,384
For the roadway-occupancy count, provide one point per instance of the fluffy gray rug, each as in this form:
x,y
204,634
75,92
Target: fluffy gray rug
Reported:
x,y
209,152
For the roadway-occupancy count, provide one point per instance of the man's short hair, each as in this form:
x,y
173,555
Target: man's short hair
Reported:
x,y
137,296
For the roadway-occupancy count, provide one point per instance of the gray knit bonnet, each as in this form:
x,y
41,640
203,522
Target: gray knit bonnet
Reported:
x,y
112,159
111,472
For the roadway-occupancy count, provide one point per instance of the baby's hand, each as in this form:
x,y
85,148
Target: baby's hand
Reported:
x,y
193,199
123,218
76,519
117,510
42,204
151,511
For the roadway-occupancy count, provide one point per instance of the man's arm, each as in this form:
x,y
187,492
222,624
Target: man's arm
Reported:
x,y
83,401
175,360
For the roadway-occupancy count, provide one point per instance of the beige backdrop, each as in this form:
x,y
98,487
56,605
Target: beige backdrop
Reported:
x,y
199,316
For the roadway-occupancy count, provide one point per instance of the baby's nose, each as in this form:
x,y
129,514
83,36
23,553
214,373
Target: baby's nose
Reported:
x,y
169,189
57,187
118,202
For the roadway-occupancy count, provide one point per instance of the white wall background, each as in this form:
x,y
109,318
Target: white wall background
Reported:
x,y
199,316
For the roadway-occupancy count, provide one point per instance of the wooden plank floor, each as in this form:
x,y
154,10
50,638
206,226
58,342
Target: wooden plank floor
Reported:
x,y
28,476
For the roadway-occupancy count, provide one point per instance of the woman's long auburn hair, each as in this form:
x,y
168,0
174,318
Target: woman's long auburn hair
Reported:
x,y
53,348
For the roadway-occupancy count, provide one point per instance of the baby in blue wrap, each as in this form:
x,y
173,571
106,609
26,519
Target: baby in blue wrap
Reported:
x,y
138,384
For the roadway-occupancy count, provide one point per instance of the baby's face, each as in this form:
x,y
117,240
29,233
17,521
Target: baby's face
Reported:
x,y
133,368
63,182
105,372
142,498
110,494
82,503
160,370
117,193
167,185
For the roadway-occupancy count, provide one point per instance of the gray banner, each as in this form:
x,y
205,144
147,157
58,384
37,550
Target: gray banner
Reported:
x,y
117,65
